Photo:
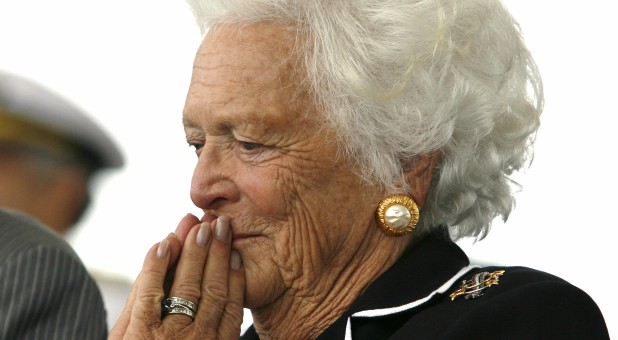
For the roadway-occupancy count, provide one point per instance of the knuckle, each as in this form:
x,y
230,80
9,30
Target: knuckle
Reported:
x,y
151,293
148,296
165,333
216,303
234,305
186,290
216,292
151,271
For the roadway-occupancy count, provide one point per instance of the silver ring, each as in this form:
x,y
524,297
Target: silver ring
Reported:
x,y
181,310
178,301
177,305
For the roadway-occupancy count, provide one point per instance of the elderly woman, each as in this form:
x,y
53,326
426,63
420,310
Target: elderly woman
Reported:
x,y
341,147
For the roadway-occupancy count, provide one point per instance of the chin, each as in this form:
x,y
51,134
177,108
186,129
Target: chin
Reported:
x,y
256,295
262,287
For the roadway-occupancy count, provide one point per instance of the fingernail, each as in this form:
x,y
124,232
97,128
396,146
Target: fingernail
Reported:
x,y
202,234
235,260
164,249
172,235
222,228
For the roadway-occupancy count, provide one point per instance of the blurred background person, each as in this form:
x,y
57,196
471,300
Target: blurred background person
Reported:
x,y
50,154
45,290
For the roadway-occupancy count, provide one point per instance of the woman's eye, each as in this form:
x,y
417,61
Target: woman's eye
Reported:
x,y
249,146
196,146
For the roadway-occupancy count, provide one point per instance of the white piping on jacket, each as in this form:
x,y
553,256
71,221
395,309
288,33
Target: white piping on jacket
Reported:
x,y
407,306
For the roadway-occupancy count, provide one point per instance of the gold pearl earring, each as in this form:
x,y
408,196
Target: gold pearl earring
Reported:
x,y
397,215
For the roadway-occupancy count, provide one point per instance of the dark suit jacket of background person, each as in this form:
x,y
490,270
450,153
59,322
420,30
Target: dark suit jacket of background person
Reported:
x,y
411,301
45,290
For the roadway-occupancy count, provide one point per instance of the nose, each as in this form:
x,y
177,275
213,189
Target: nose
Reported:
x,y
213,184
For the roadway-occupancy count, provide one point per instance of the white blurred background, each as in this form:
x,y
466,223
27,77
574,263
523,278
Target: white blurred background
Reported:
x,y
128,63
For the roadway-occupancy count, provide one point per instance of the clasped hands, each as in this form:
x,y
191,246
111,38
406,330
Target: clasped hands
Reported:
x,y
195,263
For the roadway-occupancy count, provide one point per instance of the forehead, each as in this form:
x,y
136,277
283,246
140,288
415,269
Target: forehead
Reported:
x,y
243,68
256,48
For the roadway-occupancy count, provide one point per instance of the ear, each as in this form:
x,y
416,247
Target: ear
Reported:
x,y
419,175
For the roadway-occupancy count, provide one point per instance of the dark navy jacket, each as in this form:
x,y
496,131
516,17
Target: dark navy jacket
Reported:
x,y
411,301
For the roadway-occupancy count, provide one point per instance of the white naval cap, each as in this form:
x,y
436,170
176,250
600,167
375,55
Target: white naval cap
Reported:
x,y
32,102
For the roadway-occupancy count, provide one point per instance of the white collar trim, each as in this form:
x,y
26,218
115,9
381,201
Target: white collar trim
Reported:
x,y
407,306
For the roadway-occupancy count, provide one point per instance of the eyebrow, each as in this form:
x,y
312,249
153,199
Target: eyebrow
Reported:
x,y
187,123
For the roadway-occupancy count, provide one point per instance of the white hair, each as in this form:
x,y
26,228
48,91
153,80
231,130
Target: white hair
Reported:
x,y
401,78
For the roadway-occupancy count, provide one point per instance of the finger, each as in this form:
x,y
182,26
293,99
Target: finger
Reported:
x,y
229,327
120,327
185,225
175,251
215,279
188,278
175,247
146,310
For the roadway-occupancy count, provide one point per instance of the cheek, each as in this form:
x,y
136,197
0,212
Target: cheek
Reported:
x,y
276,201
261,186
270,262
337,210
311,216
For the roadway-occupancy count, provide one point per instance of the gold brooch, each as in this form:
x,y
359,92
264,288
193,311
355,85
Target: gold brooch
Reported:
x,y
473,288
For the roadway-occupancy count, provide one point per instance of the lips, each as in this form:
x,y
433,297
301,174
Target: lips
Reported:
x,y
208,217
244,236
237,236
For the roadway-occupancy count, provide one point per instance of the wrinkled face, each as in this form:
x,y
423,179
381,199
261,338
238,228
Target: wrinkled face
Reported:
x,y
266,161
